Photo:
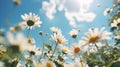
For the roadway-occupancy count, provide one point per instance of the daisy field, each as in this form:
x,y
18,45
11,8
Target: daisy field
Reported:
x,y
60,33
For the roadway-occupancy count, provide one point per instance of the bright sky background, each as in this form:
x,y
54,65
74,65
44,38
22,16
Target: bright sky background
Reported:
x,y
64,14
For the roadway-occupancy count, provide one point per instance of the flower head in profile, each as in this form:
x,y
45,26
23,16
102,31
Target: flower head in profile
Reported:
x,y
2,49
80,63
75,50
18,27
117,37
107,10
116,23
31,20
16,2
64,49
19,41
35,50
36,64
95,36
73,33
59,39
55,30
47,63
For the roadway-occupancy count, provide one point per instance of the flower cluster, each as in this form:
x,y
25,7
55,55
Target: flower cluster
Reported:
x,y
96,48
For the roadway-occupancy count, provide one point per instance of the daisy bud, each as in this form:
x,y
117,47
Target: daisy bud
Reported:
x,y
40,32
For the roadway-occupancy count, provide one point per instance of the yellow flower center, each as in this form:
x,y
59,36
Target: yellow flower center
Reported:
x,y
93,39
37,65
49,64
64,50
59,41
76,49
1,49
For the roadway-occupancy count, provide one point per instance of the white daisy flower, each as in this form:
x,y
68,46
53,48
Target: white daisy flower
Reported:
x,y
68,64
34,50
2,64
20,65
31,20
2,40
95,36
64,49
19,27
79,63
107,10
2,49
47,63
73,33
55,30
36,64
75,50
116,23
117,37
31,40
19,41
59,39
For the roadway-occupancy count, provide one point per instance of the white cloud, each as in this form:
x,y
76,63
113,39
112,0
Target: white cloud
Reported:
x,y
50,8
75,10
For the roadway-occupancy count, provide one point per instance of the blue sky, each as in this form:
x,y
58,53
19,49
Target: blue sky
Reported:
x,y
10,15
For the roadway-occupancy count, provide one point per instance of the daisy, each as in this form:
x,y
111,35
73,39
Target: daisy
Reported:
x,y
34,50
31,20
116,23
2,49
64,49
47,63
20,65
73,33
19,27
55,30
75,50
16,2
79,63
31,40
2,64
18,41
36,64
107,10
2,40
68,64
95,36
117,37
59,39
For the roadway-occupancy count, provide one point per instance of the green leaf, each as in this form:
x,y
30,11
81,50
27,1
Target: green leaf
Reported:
x,y
85,55
48,47
60,58
115,64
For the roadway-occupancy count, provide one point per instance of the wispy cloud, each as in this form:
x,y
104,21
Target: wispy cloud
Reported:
x,y
75,10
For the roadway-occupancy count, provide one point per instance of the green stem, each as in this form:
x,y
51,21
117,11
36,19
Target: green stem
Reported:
x,y
54,49
96,47
81,63
28,34
42,46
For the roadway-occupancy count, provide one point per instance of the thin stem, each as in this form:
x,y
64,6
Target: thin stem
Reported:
x,y
96,47
28,34
69,42
81,61
42,46
54,49
76,39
